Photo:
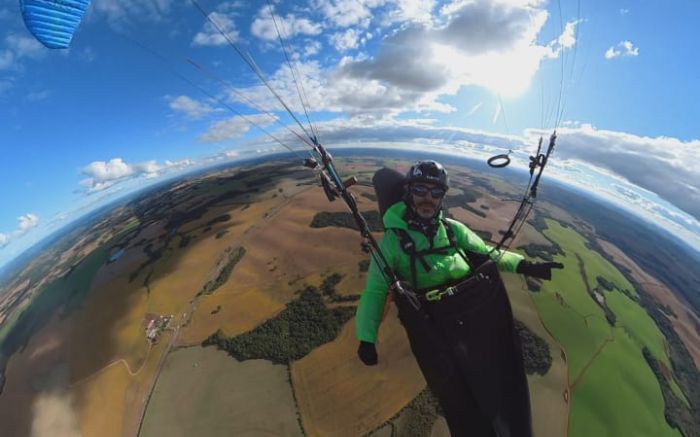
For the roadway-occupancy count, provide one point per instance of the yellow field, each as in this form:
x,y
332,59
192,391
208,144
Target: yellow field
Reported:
x,y
108,327
282,254
337,395
241,310
110,401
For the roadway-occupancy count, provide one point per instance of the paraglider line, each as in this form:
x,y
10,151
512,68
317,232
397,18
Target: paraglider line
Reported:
x,y
291,68
251,63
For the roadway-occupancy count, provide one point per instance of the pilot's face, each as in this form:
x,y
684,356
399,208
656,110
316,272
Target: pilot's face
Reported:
x,y
426,197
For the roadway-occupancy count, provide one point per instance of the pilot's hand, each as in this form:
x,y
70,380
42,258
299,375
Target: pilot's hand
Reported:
x,y
367,353
538,270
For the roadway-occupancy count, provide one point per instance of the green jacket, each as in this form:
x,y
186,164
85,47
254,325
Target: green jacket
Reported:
x,y
445,268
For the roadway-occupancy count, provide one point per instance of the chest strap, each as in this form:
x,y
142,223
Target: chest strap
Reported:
x,y
409,247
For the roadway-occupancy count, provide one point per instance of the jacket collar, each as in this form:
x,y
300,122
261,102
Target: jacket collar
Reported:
x,y
394,216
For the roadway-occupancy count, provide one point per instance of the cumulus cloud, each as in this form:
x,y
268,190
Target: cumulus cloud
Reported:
x,y
263,26
568,37
346,40
25,223
233,127
191,108
105,174
485,43
211,35
419,11
311,48
346,13
662,165
623,48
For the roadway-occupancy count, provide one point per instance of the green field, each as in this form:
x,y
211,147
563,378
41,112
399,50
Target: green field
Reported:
x,y
203,392
614,391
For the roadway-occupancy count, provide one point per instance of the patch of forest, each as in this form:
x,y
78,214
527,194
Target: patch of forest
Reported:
x,y
677,414
233,258
536,353
417,418
328,289
305,324
544,251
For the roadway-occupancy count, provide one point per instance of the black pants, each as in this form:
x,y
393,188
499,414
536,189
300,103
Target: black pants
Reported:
x,y
471,358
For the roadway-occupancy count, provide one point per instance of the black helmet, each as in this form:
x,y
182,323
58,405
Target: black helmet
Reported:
x,y
428,171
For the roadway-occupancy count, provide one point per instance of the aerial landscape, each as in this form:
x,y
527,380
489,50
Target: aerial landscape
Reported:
x,y
186,290
200,233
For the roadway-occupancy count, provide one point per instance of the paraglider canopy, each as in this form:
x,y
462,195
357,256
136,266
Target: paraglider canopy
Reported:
x,y
53,22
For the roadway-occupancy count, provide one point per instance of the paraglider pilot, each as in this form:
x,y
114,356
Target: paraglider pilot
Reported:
x,y
462,335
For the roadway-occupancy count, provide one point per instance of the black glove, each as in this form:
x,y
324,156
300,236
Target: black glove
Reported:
x,y
538,270
367,353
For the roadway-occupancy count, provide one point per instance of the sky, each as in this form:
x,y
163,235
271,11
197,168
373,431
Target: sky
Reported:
x,y
149,89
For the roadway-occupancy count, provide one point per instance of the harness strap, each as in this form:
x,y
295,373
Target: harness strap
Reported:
x,y
453,241
472,259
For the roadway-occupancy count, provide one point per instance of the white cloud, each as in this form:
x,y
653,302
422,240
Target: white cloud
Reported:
x,y
183,163
346,13
26,222
623,48
311,48
233,127
309,74
482,43
111,170
485,43
263,26
106,174
624,11
148,169
568,37
418,11
345,40
662,165
191,108
211,35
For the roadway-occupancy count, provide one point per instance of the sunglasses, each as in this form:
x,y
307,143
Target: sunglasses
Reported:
x,y
422,191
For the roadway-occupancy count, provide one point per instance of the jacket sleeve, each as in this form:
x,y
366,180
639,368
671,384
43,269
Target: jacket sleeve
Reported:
x,y
371,308
469,240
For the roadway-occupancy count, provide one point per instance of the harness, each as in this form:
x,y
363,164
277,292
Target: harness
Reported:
x,y
473,259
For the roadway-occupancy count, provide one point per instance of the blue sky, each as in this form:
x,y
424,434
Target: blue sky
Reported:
x,y
113,113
